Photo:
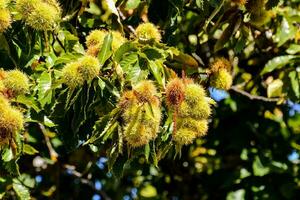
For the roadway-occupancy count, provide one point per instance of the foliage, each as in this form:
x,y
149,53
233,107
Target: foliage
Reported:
x,y
119,107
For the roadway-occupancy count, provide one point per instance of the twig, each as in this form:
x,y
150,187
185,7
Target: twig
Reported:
x,y
253,97
214,13
195,10
86,181
52,152
123,18
198,58
72,169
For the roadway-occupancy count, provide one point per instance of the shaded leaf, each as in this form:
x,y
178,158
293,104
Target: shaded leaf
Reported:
x,y
185,59
227,33
12,167
105,126
271,3
295,82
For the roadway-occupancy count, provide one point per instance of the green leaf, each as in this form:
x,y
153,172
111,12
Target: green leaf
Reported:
x,y
227,33
132,4
148,191
293,49
112,157
295,82
123,51
277,63
28,101
4,45
44,88
110,130
128,61
111,88
131,68
241,43
154,53
94,9
26,180
7,155
271,3
72,96
136,74
285,32
65,58
105,126
147,151
258,168
21,191
200,3
12,167
101,83
118,167
186,60
234,195
120,139
106,50
154,155
112,8
157,70
27,149
275,88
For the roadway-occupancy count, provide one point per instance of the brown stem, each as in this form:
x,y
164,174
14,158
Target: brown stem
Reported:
x,y
253,97
183,75
52,152
129,27
175,121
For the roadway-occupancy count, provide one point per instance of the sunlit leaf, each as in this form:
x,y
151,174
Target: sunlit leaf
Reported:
x,y
275,88
44,86
285,32
132,4
21,191
106,50
148,191
277,63
29,149
293,49
7,155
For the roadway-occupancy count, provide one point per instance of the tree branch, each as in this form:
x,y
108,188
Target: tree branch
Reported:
x,y
52,152
253,97
129,27
195,10
86,181
214,13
